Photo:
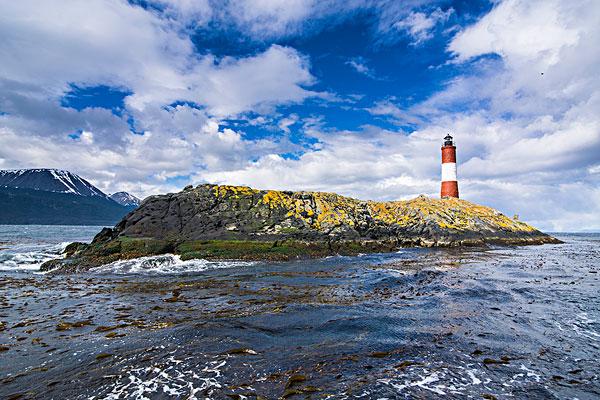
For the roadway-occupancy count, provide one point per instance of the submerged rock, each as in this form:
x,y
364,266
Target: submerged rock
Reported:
x,y
236,222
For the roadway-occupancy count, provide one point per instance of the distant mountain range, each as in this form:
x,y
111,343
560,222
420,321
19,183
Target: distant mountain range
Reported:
x,y
126,199
58,197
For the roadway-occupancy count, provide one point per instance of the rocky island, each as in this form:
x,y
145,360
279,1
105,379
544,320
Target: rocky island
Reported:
x,y
237,222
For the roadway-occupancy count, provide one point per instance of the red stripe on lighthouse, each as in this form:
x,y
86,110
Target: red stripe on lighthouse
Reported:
x,y
449,178
450,189
448,154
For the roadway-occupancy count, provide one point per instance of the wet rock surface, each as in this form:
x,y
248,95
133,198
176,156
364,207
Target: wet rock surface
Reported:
x,y
234,222
425,323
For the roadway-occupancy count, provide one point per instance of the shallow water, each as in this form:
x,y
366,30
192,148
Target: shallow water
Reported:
x,y
421,323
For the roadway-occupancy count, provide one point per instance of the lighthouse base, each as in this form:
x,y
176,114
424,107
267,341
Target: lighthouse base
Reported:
x,y
449,189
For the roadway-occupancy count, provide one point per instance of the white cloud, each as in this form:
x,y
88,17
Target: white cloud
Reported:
x,y
144,163
548,56
270,18
285,123
419,25
87,137
359,67
523,32
49,45
365,164
387,108
359,64
187,12
277,76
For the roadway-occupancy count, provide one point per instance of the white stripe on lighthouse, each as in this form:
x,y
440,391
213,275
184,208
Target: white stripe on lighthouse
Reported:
x,y
449,172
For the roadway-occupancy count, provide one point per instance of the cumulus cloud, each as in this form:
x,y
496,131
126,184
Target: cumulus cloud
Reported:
x,y
51,44
522,32
158,161
122,45
277,76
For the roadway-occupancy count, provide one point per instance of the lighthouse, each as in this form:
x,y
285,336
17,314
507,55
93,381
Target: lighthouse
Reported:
x,y
449,181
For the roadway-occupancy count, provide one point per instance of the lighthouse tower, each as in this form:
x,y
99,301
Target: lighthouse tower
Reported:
x,y
449,181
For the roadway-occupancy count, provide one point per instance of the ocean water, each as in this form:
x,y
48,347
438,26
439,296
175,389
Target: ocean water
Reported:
x,y
502,322
27,247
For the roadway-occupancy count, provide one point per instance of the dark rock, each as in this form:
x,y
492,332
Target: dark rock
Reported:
x,y
488,396
406,364
295,379
379,354
491,361
104,235
241,350
74,248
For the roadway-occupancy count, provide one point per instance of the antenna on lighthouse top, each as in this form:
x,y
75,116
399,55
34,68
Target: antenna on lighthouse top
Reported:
x,y
448,140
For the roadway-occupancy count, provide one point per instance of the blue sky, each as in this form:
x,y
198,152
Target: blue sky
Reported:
x,y
349,96
349,57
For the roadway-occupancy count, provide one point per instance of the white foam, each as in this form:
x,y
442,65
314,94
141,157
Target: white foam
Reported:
x,y
172,379
475,380
165,264
424,382
29,258
583,326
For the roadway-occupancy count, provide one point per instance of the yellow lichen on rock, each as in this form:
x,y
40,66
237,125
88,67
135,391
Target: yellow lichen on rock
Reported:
x,y
276,199
334,210
393,212
463,215
235,191
323,211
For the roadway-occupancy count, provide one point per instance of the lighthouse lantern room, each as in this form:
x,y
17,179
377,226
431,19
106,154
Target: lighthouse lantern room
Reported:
x,y
449,179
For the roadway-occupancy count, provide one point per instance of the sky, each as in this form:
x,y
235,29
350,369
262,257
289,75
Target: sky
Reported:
x,y
346,96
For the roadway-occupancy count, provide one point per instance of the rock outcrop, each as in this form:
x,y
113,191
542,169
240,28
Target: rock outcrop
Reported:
x,y
210,221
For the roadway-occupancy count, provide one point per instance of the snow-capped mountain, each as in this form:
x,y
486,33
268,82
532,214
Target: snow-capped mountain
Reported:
x,y
125,199
54,197
49,180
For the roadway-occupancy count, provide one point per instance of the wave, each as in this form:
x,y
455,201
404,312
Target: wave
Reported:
x,y
165,264
29,258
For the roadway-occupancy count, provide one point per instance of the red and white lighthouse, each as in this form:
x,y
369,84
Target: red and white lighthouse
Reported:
x,y
449,180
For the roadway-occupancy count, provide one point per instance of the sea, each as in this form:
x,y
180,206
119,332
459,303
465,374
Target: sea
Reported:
x,y
491,323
